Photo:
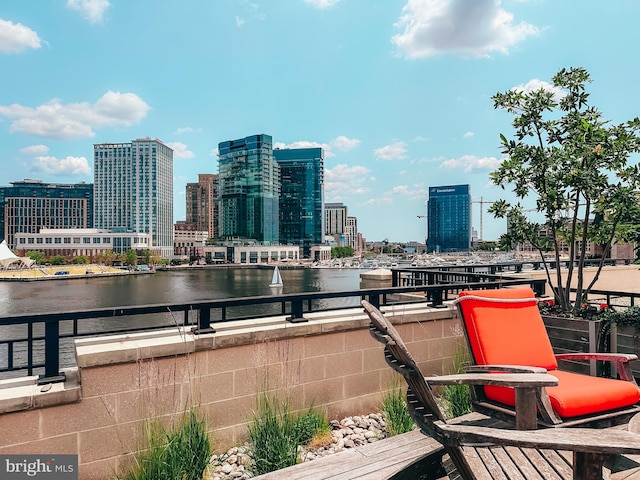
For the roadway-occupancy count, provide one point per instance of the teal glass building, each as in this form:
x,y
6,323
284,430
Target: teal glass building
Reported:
x,y
449,219
301,197
249,182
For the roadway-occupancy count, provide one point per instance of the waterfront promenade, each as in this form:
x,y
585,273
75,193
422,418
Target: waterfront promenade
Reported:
x,y
625,278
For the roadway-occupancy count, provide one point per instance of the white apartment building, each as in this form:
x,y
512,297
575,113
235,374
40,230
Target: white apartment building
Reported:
x,y
133,190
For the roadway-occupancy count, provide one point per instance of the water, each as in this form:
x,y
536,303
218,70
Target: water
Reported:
x,y
178,286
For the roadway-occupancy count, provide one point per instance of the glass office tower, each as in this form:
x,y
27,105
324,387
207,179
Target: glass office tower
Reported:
x,y
301,197
449,219
133,190
249,180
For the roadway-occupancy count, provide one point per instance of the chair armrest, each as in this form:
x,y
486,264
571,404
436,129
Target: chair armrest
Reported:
x,y
585,440
607,357
505,368
620,359
515,380
529,390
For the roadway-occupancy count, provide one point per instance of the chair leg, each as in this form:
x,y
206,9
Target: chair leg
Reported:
x,y
588,466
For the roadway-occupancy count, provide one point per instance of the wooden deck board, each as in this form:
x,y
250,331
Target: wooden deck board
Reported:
x,y
373,461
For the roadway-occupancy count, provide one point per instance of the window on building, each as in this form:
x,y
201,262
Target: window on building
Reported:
x,y
96,239
30,240
38,240
47,240
58,240
22,240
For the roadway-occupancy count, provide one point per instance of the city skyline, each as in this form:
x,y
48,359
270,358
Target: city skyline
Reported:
x,y
396,92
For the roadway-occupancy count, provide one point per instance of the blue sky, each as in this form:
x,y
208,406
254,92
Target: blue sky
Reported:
x,y
398,92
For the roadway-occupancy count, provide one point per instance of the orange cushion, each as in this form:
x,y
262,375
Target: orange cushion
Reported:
x,y
578,395
506,333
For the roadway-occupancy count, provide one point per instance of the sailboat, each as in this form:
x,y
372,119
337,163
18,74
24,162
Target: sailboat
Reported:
x,y
276,279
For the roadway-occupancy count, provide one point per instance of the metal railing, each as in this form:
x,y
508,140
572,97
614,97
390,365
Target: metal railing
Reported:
x,y
37,345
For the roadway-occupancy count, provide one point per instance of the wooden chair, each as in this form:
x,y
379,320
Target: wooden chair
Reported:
x,y
506,333
481,447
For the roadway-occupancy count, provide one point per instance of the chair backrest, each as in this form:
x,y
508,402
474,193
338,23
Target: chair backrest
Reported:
x,y
422,403
504,327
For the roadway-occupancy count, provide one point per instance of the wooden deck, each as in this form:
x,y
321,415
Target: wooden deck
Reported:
x,y
408,456
415,456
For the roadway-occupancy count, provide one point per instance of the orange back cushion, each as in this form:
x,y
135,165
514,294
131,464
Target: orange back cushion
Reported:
x,y
506,333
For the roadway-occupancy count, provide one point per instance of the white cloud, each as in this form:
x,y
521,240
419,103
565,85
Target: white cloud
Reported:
x,y
214,152
181,130
35,149
386,198
469,163
92,10
343,178
73,120
345,144
535,85
61,166
180,150
307,144
322,4
240,21
469,135
395,151
474,28
15,37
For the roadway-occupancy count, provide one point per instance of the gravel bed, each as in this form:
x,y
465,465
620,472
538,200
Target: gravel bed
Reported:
x,y
350,432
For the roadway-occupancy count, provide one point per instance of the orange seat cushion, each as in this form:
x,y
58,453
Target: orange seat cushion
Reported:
x,y
578,395
510,333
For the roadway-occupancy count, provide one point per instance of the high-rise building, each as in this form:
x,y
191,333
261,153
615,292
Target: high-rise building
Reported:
x,y
301,197
29,205
351,233
133,190
449,219
336,219
249,189
201,203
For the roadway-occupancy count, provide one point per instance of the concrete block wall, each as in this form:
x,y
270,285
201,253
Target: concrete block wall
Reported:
x,y
330,361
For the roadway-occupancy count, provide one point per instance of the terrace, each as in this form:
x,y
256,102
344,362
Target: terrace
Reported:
x,y
100,384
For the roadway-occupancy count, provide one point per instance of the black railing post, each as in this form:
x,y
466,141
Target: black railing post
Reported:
x,y
436,298
374,299
204,322
52,372
297,314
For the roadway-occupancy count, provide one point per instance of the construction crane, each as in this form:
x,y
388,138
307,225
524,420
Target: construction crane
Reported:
x,y
481,202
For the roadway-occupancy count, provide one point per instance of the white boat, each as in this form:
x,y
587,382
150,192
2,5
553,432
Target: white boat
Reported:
x,y
276,279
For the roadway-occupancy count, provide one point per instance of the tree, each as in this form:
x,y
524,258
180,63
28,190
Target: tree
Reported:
x,y
130,257
57,260
341,252
146,257
36,255
80,260
577,166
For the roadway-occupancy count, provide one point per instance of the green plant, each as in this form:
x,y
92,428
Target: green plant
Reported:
x,y
457,398
311,424
576,166
273,436
170,454
395,410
